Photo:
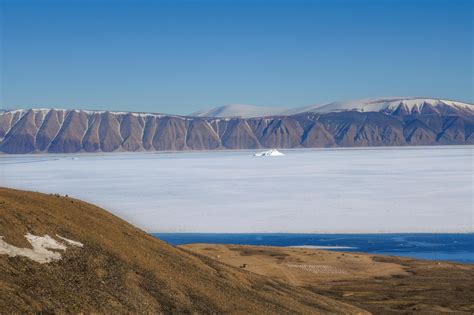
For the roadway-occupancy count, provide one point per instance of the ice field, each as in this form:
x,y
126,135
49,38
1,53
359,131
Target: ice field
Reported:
x,y
349,190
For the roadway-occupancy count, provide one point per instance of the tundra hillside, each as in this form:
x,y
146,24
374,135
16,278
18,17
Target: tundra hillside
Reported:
x,y
80,258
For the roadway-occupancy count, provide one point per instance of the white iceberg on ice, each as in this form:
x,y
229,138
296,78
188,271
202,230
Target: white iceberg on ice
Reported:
x,y
272,152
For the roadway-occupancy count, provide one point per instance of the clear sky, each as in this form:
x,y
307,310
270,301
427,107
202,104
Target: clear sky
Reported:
x,y
181,56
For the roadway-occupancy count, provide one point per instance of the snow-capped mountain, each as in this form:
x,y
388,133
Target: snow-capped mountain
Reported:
x,y
389,105
402,105
238,110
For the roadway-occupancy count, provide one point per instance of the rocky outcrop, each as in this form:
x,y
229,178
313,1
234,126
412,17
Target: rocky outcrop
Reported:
x,y
70,131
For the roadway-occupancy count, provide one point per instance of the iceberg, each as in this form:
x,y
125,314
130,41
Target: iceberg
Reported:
x,y
272,152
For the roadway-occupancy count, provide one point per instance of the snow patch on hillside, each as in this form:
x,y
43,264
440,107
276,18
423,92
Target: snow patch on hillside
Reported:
x,y
42,248
71,242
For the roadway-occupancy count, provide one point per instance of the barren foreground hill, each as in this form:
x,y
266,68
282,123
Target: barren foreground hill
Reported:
x,y
59,254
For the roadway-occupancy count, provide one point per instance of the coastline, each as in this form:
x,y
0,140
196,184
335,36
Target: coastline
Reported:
x,y
454,247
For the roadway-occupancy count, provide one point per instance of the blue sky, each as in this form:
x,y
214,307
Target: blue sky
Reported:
x,y
181,56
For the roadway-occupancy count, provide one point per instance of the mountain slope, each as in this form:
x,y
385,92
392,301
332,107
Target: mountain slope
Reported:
x,y
121,269
380,122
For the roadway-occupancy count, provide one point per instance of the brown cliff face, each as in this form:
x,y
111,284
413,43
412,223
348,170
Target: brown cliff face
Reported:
x,y
170,134
21,137
131,132
280,132
70,131
69,137
48,130
201,136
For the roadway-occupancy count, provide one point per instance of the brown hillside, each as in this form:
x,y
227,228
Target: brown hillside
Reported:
x,y
123,269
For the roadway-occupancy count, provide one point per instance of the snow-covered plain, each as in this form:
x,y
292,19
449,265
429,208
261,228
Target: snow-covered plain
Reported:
x,y
410,189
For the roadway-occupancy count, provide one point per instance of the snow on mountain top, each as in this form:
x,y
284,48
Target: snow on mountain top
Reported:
x,y
411,104
385,104
23,111
272,152
238,110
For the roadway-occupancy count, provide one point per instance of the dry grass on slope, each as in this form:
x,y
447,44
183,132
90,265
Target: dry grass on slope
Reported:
x,y
123,269
379,284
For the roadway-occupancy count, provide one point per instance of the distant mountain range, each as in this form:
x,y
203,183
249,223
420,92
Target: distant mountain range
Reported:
x,y
372,122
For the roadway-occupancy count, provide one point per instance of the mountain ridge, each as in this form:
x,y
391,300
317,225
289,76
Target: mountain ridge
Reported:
x,y
383,122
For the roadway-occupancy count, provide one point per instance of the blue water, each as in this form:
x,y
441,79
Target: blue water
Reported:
x,y
449,247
